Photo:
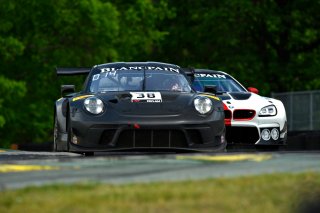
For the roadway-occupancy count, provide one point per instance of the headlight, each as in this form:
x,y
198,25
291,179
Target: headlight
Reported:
x,y
202,104
94,105
268,111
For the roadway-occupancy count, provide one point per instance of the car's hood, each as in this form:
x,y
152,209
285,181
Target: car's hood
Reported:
x,y
245,100
165,103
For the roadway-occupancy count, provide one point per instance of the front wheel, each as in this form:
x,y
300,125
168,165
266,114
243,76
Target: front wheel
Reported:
x,y
88,154
55,135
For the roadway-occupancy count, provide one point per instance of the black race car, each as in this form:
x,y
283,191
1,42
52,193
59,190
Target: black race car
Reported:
x,y
136,105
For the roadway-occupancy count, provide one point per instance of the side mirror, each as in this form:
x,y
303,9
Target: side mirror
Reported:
x,y
210,89
253,90
67,90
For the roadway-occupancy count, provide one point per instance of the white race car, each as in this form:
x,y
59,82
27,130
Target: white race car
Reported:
x,y
249,117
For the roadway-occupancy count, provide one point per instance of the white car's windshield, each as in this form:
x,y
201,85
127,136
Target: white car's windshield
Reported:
x,y
139,80
223,83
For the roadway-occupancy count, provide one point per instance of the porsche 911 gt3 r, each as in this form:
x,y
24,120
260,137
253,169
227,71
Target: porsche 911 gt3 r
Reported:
x,y
249,118
136,105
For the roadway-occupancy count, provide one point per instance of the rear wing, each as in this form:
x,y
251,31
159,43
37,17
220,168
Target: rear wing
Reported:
x,y
72,71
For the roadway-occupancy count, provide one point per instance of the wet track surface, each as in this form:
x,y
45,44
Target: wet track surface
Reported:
x,y
21,168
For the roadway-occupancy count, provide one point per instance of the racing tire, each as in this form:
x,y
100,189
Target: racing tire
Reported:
x,y
69,128
69,131
88,154
55,135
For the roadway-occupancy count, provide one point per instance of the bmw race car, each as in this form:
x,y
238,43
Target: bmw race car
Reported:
x,y
249,118
136,105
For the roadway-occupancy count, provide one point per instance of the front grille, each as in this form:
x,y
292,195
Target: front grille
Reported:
x,y
242,135
145,138
107,136
243,114
195,136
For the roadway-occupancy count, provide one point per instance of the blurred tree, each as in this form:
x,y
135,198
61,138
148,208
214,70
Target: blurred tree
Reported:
x,y
271,44
9,89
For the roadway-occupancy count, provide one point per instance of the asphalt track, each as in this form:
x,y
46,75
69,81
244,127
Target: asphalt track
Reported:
x,y
21,168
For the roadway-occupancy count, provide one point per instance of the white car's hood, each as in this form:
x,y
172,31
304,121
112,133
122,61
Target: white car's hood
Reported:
x,y
247,100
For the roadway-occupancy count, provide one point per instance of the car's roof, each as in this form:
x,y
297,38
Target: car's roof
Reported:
x,y
147,63
133,65
156,66
151,65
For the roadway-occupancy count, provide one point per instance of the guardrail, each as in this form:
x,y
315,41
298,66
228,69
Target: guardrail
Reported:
x,y
303,109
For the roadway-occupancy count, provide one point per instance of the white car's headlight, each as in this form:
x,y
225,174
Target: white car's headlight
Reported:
x,y
94,105
202,104
268,111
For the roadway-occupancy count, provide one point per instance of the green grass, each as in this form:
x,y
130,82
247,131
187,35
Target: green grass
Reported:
x,y
264,193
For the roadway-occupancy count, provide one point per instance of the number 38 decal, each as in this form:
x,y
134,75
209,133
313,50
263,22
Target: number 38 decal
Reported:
x,y
152,97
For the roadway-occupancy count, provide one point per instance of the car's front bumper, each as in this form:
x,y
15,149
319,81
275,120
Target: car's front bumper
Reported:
x,y
90,134
250,133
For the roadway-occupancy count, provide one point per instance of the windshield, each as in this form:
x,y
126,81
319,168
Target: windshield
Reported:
x,y
139,80
223,83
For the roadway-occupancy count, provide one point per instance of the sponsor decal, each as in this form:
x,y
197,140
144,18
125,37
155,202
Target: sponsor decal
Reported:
x,y
81,97
149,97
95,77
211,96
109,69
206,75
112,73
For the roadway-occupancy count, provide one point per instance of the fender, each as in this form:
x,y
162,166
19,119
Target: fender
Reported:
x,y
60,113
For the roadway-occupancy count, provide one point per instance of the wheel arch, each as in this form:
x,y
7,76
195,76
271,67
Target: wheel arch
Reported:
x,y
60,113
